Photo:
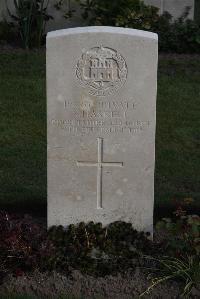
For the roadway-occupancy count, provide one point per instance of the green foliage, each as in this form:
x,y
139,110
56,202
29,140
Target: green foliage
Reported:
x,y
25,245
182,239
182,233
95,249
180,36
124,13
186,270
31,17
70,11
7,32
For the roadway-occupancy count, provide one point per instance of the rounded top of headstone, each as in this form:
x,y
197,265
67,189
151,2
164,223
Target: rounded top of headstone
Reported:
x,y
103,29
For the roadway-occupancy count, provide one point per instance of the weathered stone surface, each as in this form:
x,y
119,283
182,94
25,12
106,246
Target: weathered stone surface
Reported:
x,y
101,90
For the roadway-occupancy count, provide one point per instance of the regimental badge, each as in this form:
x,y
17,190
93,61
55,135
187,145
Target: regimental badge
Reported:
x,y
101,70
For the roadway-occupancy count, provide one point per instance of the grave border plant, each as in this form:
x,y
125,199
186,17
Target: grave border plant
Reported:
x,y
181,243
26,245
181,35
184,269
31,17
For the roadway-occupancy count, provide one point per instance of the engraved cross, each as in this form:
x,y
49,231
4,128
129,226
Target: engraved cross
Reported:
x,y
99,164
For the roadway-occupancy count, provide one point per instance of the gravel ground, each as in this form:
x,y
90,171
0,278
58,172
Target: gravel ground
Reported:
x,y
53,284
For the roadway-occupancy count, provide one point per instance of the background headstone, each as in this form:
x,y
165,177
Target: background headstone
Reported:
x,y
101,90
175,7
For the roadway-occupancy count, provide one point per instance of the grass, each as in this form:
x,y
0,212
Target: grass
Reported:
x,y
178,130
23,130
182,269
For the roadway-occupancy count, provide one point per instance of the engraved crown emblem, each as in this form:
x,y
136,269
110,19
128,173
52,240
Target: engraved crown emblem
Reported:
x,y
102,70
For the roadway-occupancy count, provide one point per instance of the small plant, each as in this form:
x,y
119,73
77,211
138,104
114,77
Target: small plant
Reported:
x,y
185,269
95,249
182,239
31,17
182,232
20,239
89,247
124,13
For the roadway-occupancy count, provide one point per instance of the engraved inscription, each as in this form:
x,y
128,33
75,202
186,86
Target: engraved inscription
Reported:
x,y
102,70
102,105
106,127
99,164
101,117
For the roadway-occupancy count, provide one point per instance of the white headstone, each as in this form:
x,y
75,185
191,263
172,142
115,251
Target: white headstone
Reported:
x,y
101,90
